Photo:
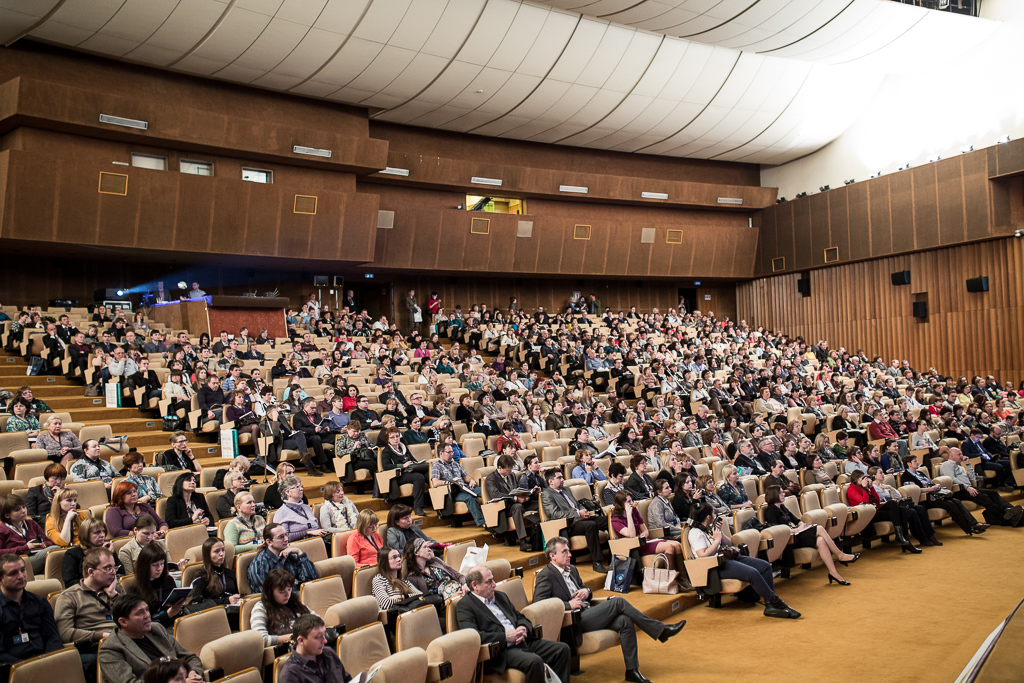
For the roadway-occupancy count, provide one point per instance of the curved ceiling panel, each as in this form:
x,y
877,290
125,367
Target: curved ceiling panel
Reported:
x,y
762,81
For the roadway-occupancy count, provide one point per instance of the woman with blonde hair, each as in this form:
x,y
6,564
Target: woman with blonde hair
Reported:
x,y
366,542
63,522
92,533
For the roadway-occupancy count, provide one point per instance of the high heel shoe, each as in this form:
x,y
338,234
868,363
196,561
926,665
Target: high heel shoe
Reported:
x,y
910,548
856,556
832,578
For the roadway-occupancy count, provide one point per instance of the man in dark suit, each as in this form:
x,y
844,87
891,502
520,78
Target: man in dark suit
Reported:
x,y
492,615
559,503
65,330
998,469
308,422
499,484
559,579
53,348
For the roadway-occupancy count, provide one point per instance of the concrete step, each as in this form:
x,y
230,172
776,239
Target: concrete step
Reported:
x,y
17,379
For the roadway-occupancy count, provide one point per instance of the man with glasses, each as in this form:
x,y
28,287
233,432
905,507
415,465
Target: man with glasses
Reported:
x,y
179,456
462,487
136,642
278,554
83,612
362,413
26,620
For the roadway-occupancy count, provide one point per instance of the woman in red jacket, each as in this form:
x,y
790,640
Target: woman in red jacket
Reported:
x,y
20,534
861,491
365,543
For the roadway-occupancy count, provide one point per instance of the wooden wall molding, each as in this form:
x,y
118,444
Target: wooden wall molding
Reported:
x,y
857,306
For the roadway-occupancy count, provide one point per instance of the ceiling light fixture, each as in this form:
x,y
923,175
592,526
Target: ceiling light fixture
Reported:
x,y
312,151
824,188
391,170
573,189
654,195
1002,140
485,181
851,181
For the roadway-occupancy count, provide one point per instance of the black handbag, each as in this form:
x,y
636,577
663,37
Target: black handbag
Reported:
x,y
172,423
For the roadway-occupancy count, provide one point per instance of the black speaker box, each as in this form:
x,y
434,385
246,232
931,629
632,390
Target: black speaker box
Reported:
x,y
901,278
804,287
977,284
920,309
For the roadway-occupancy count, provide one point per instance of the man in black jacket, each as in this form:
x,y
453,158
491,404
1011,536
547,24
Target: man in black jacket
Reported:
x,y
211,400
493,616
146,379
308,422
27,626
554,581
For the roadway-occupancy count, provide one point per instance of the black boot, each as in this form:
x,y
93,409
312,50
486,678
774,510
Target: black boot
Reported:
x,y
900,535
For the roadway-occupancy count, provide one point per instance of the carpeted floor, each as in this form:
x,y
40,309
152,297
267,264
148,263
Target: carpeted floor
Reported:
x,y
905,618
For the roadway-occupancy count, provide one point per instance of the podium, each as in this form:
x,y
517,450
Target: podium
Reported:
x,y
211,314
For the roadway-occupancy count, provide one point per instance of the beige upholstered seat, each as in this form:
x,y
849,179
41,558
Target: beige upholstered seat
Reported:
x,y
353,613
62,665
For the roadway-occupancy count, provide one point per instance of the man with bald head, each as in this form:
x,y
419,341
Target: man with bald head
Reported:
x,y
997,510
492,614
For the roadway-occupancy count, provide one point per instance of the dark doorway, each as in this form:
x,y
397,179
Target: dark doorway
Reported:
x,y
378,299
689,296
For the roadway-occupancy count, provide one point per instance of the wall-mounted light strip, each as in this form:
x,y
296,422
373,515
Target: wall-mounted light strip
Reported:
x,y
485,181
654,195
574,189
312,151
730,200
121,121
391,170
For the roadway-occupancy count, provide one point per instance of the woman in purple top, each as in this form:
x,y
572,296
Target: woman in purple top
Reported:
x,y
296,517
125,508
627,523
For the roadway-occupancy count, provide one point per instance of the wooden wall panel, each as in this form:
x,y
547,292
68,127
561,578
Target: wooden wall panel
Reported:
x,y
905,188
857,307
802,246
879,215
860,223
839,221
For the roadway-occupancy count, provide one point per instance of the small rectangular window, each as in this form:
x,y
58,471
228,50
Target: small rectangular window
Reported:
x,y
197,167
149,161
255,175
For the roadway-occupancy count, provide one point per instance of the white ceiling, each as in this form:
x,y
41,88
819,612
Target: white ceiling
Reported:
x,y
762,81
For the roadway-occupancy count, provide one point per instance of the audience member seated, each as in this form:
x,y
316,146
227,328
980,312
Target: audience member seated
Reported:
x,y
217,579
21,535
365,543
90,467
338,513
277,609
706,539
91,534
237,410
777,477
639,483
277,554
83,611
626,521
63,522
559,579
154,583
805,536
22,421
492,614
522,509
311,661
997,509
308,422
394,594
559,503
400,530
296,517
179,456
272,496
234,483
936,497
462,487
245,530
211,400
136,642
995,467
27,626
142,534
61,447
396,456
148,491
429,574
185,506
661,514
862,491
283,437
165,670
367,418
39,498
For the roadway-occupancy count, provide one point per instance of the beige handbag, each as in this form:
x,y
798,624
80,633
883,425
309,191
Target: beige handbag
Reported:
x,y
658,578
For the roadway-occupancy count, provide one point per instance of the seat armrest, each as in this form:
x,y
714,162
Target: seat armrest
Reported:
x,y
492,512
439,671
489,651
571,617
697,569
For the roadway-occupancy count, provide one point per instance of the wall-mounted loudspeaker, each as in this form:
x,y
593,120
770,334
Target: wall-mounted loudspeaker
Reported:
x,y
977,284
901,278
920,309
804,286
